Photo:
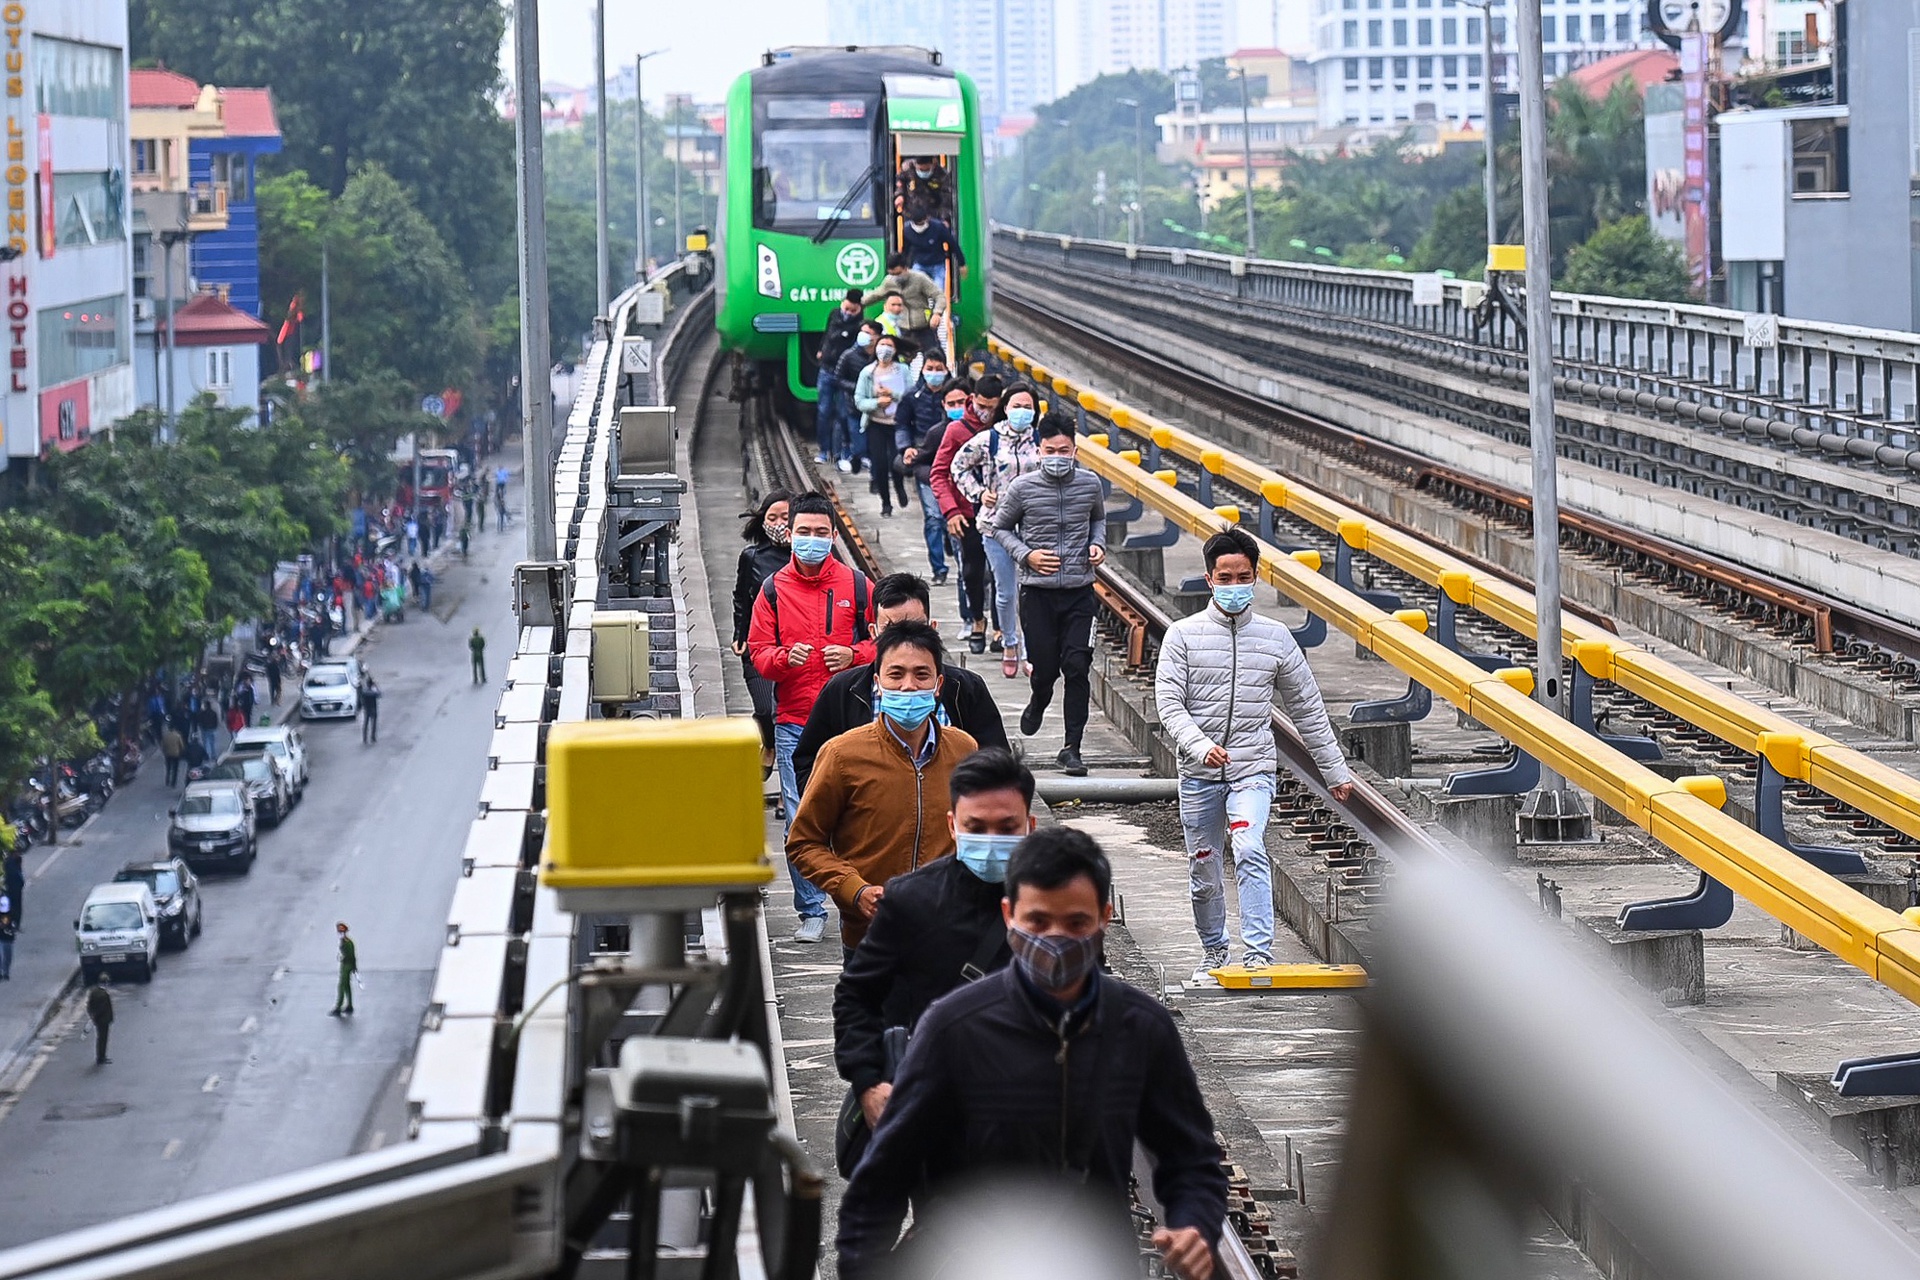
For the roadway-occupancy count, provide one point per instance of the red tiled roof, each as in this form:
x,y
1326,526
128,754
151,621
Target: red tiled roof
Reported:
x,y
158,87
1642,66
209,321
249,113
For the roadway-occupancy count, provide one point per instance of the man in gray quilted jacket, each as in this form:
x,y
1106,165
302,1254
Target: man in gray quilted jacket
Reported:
x,y
1220,672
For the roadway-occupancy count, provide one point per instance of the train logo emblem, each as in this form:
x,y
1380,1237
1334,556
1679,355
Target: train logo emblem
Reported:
x,y
858,264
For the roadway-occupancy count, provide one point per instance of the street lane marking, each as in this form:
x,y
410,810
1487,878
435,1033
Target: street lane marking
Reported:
x,y
172,1149
213,1082
251,1024
46,865
58,1030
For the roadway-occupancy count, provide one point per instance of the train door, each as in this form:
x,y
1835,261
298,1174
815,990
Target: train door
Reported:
x,y
926,124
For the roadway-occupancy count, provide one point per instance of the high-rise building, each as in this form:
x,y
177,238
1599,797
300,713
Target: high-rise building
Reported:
x,y
1386,62
1006,46
1157,35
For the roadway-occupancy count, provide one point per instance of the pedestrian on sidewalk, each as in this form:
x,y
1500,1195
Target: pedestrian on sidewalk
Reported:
x,y
100,1013
349,968
370,710
477,648
918,426
13,879
1053,522
246,699
413,579
236,719
8,930
172,746
276,672
983,408
207,720
466,538
426,589
766,552
1220,673
413,536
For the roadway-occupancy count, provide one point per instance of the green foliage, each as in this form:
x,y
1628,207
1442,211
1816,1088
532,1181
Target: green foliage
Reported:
x,y
1456,238
1625,259
359,422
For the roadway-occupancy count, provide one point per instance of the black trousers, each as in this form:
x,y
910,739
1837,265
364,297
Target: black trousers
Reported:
x,y
975,599
761,690
888,479
1056,626
100,1042
369,726
173,770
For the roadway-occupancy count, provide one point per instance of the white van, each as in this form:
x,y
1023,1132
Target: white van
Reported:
x,y
119,925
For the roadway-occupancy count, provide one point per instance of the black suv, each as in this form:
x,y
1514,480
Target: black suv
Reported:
x,y
176,891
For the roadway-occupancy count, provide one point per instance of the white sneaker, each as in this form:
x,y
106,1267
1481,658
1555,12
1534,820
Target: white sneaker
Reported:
x,y
845,467
1257,960
812,929
1216,957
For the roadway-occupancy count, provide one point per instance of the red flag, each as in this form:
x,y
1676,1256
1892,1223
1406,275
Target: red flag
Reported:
x,y
295,315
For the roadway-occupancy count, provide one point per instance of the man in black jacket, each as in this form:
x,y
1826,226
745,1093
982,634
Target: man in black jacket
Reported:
x,y
920,412
850,440
846,701
937,928
842,325
1049,1070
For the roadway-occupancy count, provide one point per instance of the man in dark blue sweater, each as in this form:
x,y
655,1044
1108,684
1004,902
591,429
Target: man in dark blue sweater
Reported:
x,y
1047,1070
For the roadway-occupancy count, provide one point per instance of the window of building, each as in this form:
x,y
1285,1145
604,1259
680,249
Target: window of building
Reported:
x,y
1549,28
1597,27
1473,31
1375,33
1353,68
219,368
1499,29
230,172
1622,27
146,156
1473,64
1350,35
1820,158
1376,68
73,79
88,208
80,339
1399,71
1399,33
1424,31
1450,65
1449,31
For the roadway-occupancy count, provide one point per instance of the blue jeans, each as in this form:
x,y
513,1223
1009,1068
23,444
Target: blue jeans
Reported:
x,y
1006,593
210,739
1212,813
826,412
934,529
808,900
934,271
851,434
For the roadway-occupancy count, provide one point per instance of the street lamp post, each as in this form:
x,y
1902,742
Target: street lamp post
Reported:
x,y
679,228
536,384
1136,225
1246,154
1488,102
641,224
602,254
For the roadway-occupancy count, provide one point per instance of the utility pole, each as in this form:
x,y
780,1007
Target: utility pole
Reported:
x,y
679,229
1554,812
536,382
1135,222
602,257
643,223
1487,110
1246,155
326,314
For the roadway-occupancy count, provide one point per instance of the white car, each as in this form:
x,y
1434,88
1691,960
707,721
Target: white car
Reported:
x,y
332,690
118,927
283,741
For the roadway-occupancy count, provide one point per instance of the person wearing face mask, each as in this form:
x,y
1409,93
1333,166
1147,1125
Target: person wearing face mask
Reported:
x,y
871,810
765,553
981,410
843,326
1047,1068
847,702
918,294
983,469
922,414
930,244
1220,673
850,438
811,620
938,928
882,386
922,178
1053,523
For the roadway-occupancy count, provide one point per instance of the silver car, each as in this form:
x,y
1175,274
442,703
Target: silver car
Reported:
x,y
331,691
265,779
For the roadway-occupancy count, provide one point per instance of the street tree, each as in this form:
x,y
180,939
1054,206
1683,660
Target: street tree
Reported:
x,y
1625,259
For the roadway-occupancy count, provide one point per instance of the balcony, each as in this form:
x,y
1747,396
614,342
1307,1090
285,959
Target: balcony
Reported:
x,y
207,207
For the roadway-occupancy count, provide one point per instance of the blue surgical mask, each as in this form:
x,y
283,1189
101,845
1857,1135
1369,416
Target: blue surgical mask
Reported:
x,y
985,855
884,351
936,377
955,414
1057,466
1019,419
908,708
1234,598
864,339
811,550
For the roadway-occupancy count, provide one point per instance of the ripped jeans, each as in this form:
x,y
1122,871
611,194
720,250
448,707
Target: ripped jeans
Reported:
x,y
1210,812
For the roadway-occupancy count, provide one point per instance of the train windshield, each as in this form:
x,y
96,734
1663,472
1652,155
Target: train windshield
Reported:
x,y
815,164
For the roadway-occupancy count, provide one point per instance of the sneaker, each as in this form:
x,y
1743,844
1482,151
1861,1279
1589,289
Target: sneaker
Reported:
x,y
1030,719
1070,762
812,929
845,467
1216,958
1257,960
940,578
819,457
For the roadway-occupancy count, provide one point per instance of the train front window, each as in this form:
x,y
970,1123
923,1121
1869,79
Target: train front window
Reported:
x,y
815,164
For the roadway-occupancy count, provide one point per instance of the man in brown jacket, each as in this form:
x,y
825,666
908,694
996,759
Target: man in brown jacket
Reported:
x,y
875,806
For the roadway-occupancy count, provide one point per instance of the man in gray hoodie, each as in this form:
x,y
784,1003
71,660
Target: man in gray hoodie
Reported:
x,y
1053,522
1220,673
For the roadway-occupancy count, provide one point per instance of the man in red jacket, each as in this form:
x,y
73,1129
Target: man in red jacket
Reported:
x,y
812,619
958,511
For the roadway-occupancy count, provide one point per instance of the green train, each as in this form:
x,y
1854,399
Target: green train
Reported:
x,y
816,142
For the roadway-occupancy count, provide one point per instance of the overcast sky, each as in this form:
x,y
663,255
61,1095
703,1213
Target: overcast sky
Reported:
x,y
712,41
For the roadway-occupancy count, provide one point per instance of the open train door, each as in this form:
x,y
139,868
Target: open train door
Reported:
x,y
926,116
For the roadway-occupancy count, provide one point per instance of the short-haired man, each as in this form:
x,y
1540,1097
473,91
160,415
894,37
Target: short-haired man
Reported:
x,y
811,621
1220,672
842,326
921,296
1047,1068
938,928
850,437
872,809
848,700
1053,522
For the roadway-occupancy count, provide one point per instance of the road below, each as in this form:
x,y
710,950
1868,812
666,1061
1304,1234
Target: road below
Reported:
x,y
228,1068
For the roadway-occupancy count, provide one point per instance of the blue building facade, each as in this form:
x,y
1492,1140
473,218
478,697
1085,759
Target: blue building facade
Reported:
x,y
224,169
